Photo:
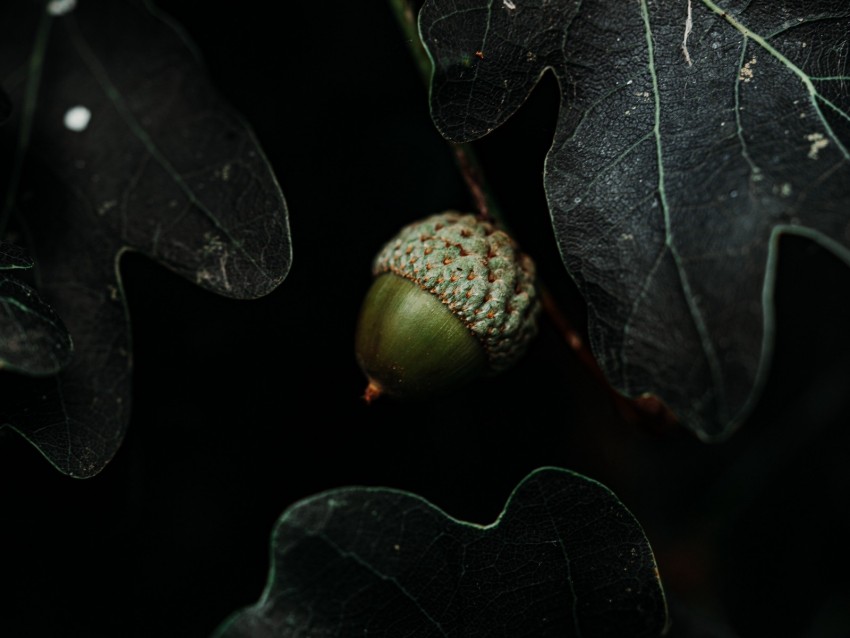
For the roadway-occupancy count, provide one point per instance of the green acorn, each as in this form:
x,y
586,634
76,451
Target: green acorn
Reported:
x,y
453,299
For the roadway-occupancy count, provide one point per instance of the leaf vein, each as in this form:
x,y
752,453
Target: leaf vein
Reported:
x,y
695,312
796,70
353,556
111,91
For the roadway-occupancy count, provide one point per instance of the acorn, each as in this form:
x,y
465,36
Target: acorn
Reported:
x,y
453,299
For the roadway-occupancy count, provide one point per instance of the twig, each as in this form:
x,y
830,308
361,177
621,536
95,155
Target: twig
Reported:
x,y
647,410
406,16
469,168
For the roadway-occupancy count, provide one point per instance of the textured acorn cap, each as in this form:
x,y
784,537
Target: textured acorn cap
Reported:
x,y
475,271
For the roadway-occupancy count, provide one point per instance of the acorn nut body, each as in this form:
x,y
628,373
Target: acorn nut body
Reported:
x,y
453,299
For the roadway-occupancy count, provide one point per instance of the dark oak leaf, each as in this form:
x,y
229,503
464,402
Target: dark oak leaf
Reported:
x,y
119,142
565,558
692,133
33,339
13,257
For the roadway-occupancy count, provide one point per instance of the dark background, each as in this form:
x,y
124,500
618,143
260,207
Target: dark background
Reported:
x,y
241,408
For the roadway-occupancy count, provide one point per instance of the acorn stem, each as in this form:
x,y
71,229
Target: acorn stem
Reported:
x,y
405,13
641,409
467,162
486,206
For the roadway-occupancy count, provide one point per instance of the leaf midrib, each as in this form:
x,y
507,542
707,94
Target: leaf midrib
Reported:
x,y
696,314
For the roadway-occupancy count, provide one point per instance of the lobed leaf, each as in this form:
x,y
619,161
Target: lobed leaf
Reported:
x,y
121,144
692,133
33,339
565,558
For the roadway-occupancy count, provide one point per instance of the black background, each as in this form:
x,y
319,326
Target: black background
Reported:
x,y
240,408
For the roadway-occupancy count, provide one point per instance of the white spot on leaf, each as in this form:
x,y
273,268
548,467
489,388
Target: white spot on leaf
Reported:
x,y
77,118
224,173
60,7
746,74
214,249
106,206
819,142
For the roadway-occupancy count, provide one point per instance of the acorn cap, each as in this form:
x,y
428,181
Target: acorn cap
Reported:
x,y
476,317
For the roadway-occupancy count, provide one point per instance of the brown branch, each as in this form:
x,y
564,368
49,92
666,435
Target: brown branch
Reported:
x,y
646,410
474,181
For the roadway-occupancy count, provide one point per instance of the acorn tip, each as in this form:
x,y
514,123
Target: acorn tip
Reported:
x,y
373,391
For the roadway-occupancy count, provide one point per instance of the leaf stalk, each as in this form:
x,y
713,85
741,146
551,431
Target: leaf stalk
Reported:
x,y
647,410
